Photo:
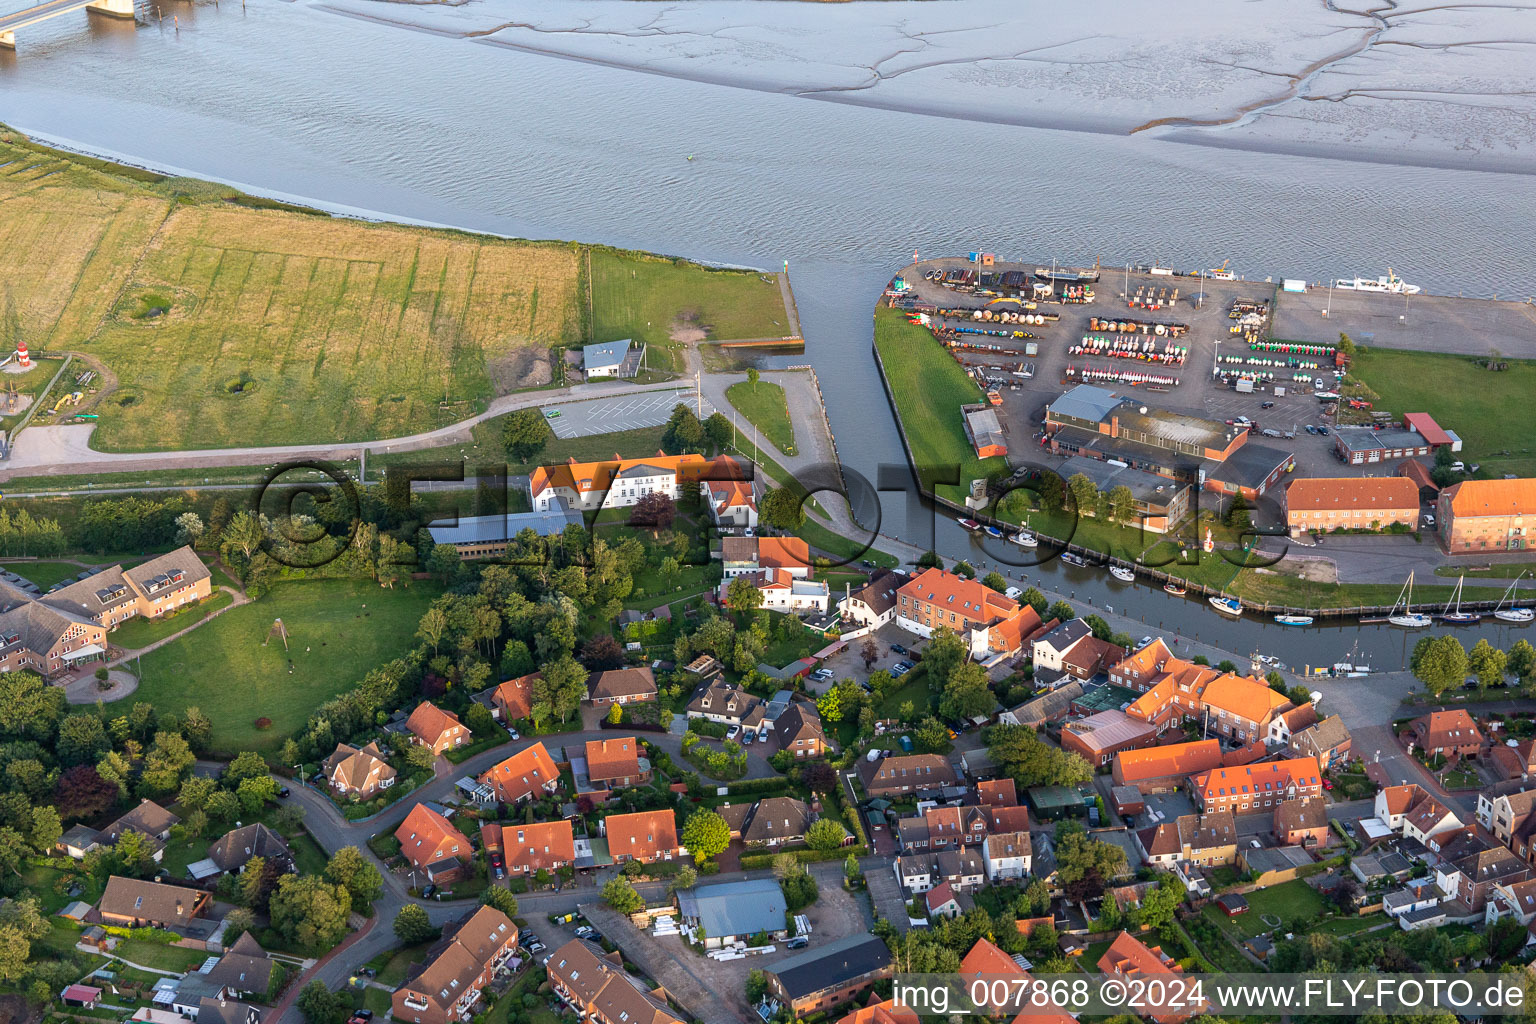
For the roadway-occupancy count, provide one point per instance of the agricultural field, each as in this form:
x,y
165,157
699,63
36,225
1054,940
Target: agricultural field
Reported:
x,y
221,319
1487,409
337,631
929,388
670,304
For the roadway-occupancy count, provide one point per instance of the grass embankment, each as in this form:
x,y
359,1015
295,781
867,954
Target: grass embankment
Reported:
x,y
230,320
766,408
44,574
1488,410
929,387
337,631
666,303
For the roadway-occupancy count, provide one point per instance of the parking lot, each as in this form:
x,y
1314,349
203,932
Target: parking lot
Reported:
x,y
622,412
849,664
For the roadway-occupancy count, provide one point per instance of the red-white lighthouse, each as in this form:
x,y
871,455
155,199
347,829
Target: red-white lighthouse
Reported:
x,y
22,359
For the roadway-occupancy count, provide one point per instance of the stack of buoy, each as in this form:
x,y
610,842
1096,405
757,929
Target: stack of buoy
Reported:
x,y
1104,375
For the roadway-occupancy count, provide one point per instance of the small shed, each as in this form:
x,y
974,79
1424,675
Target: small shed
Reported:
x,y
80,995
1232,904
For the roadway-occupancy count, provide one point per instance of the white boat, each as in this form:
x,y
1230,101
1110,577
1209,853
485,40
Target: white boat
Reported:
x,y
1073,558
1391,284
1453,613
1294,620
1227,606
969,524
1407,619
1513,614
1352,669
1122,574
1025,539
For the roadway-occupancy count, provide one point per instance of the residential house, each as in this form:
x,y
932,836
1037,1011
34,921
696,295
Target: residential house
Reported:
x,y
1427,818
1475,875
1504,813
729,704
1302,822
938,827
1255,787
225,1011
1517,899
942,901
600,991
612,359
1328,741
1143,668
829,975
1159,844
528,774
134,903
621,686
1131,960
780,590
1325,504
1240,707
1487,515
1007,855
619,483
78,841
910,773
986,964
148,819
358,772
537,846
885,1012
48,640
437,730
1089,657
645,836
997,793
777,820
964,870
1048,652
432,845
1048,707
448,983
1003,819
233,849
512,701
1163,769
729,494
148,590
616,763
245,971
1209,840
799,730
1394,802
993,625
1288,723
1517,762
873,604
742,556
1447,734
1098,738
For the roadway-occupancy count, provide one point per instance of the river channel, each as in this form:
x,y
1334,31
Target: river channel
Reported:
x,y
292,100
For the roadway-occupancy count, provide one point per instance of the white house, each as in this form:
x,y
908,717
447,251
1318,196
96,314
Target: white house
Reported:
x,y
615,484
731,503
740,556
783,592
1008,855
1048,651
612,359
874,604
915,874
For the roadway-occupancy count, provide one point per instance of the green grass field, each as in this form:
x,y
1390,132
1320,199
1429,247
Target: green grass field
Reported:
x,y
137,633
766,408
1288,901
929,387
1487,410
44,574
338,630
661,301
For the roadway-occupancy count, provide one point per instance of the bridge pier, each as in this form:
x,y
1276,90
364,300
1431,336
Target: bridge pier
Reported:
x,y
112,8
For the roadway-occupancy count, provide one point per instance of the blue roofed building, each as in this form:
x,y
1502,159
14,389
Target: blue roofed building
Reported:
x,y
488,536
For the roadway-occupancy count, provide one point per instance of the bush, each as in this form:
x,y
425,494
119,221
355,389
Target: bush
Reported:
x,y
263,723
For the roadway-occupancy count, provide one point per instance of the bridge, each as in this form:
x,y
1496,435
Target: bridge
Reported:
x,y
9,23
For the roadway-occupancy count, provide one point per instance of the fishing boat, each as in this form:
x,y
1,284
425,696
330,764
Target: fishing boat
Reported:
x,y
1122,574
1453,613
1227,606
993,531
1294,620
1406,618
1352,668
969,524
1513,614
1176,589
1025,539
1072,558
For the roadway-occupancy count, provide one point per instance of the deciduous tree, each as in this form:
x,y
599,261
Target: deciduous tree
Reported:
x,y
706,834
524,434
825,834
412,925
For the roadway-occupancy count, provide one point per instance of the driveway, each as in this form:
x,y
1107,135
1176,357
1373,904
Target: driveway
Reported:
x,y
885,893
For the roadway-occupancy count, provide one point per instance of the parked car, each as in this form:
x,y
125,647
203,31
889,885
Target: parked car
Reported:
x,y
747,738
497,866
798,942
283,791
1266,405
733,732
899,671
1323,431
1311,429
1255,844
823,674
428,891
898,649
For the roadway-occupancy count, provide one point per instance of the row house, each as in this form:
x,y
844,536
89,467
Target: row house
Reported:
x,y
940,827
1512,899
1471,864
1302,822
1288,723
148,590
600,991
892,777
1007,855
873,604
617,484
993,625
1328,741
1256,787
1502,811
448,984
964,870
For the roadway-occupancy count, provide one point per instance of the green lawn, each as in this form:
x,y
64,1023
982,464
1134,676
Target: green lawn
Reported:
x,y
914,687
160,956
136,633
338,630
1288,901
44,574
844,550
650,298
393,964
766,408
1488,410
929,387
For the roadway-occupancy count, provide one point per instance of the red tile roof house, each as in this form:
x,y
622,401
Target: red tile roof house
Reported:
x,y
432,845
539,846
1257,787
360,772
645,836
528,774
1302,823
616,763
513,699
1131,960
1447,733
1163,769
436,729
447,984
997,793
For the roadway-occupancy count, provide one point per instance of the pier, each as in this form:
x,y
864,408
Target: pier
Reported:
x,y
11,23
